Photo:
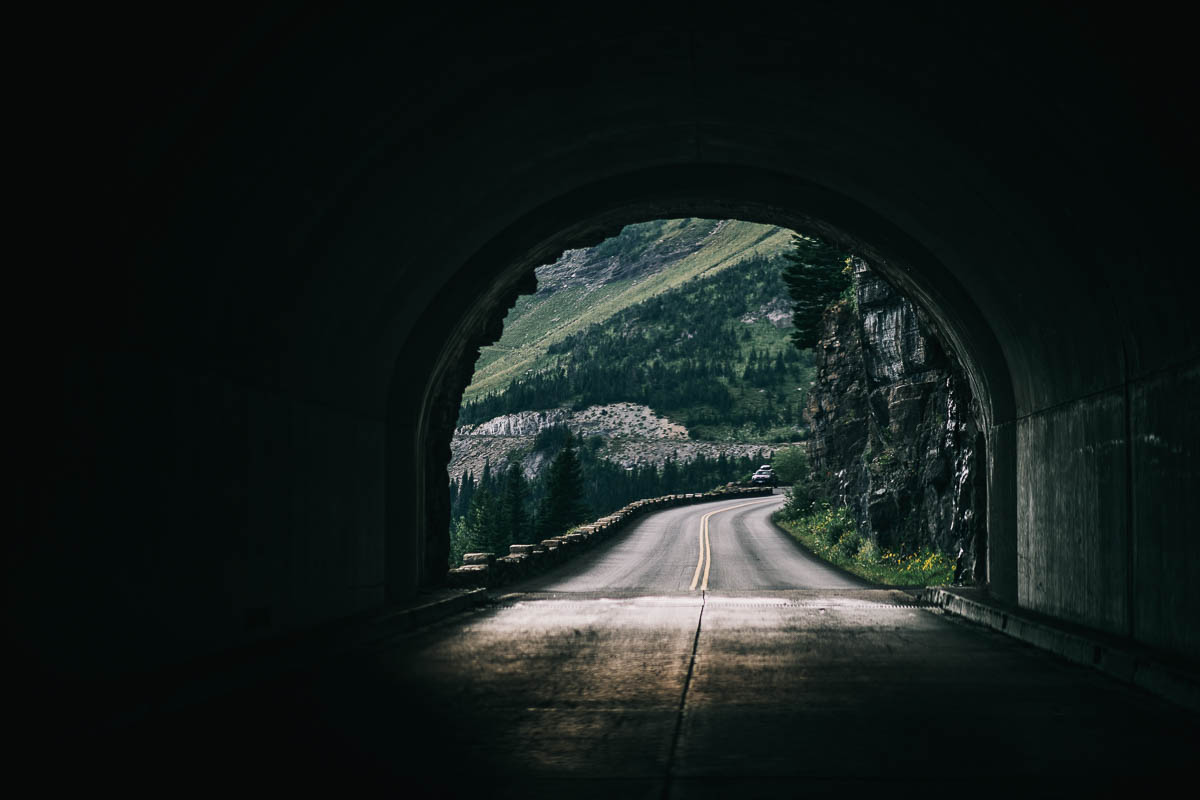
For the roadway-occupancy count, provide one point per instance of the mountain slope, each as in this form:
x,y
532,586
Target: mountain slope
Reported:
x,y
712,353
687,356
588,286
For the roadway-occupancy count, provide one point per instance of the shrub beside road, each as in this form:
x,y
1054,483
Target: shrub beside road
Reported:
x,y
830,534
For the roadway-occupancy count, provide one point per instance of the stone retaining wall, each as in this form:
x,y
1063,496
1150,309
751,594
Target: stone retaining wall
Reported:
x,y
527,560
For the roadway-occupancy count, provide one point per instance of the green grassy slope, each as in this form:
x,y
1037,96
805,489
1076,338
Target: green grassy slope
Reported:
x,y
538,321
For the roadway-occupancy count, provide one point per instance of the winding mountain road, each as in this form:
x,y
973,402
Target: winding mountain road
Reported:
x,y
727,545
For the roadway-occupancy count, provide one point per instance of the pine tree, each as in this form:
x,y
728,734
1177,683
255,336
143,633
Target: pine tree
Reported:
x,y
514,522
815,277
465,493
670,476
564,504
483,522
460,542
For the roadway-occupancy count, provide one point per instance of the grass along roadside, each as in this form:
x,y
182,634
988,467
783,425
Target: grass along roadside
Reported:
x,y
830,534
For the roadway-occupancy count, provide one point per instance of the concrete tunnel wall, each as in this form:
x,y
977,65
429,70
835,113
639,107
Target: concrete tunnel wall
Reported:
x,y
289,234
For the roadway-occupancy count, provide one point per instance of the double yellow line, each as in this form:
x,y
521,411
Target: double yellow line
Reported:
x,y
705,562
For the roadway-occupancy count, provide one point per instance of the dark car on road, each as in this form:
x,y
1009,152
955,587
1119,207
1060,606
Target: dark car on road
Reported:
x,y
765,476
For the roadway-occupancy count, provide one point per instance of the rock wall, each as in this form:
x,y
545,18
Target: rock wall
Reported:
x,y
894,436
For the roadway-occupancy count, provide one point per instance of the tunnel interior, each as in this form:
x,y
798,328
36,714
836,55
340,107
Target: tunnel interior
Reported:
x,y
297,229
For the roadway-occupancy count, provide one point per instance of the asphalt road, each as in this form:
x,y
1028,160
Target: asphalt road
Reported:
x,y
612,677
727,545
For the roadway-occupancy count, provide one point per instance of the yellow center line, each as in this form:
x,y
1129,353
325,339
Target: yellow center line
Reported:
x,y
705,563
707,551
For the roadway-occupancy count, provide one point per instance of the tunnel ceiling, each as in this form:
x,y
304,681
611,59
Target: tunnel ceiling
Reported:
x,y
333,174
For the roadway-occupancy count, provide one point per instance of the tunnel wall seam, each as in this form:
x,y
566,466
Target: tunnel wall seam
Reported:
x,y
1169,369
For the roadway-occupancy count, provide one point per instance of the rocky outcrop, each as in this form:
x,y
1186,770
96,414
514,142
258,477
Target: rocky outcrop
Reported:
x,y
634,436
894,436
778,312
611,419
661,242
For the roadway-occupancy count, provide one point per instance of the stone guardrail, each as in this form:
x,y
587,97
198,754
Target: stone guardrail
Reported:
x,y
527,560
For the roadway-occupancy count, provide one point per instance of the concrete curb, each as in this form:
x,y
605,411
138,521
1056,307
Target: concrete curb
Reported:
x,y
448,603
487,570
1127,662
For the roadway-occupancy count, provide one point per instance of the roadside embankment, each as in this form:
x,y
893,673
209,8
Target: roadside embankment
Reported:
x,y
830,534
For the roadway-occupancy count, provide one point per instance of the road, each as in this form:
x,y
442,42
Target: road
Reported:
x,y
727,545
613,677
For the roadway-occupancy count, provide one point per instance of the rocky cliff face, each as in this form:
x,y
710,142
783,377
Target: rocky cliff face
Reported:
x,y
893,430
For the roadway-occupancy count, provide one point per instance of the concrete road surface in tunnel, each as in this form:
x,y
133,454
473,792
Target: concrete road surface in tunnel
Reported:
x,y
610,678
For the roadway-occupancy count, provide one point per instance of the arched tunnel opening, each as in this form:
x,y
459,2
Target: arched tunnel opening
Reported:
x,y
673,400
705,193
279,237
